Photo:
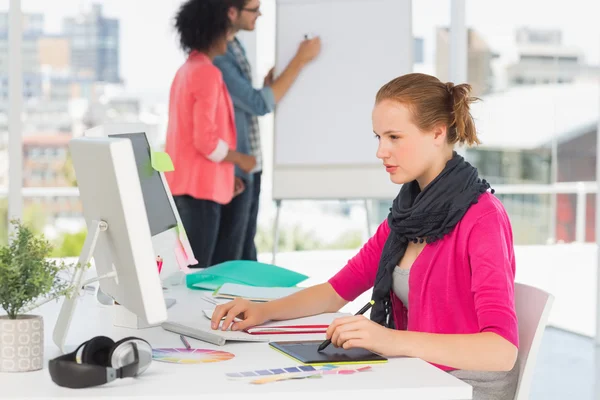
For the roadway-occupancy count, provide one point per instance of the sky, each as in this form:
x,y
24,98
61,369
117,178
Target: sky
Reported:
x,y
150,56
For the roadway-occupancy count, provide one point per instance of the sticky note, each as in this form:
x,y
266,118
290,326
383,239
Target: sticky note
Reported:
x,y
185,245
161,161
181,230
181,258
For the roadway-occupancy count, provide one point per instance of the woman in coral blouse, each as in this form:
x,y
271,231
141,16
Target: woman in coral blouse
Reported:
x,y
441,266
201,136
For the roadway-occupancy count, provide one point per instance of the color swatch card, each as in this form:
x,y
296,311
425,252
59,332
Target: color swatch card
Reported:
x,y
191,356
274,371
285,377
303,375
299,372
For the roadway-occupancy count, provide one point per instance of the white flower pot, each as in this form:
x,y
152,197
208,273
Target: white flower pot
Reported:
x,y
21,343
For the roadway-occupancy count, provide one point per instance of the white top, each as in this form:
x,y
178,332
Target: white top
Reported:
x,y
406,378
400,284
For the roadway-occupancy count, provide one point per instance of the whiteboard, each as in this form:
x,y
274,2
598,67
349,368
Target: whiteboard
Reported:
x,y
324,146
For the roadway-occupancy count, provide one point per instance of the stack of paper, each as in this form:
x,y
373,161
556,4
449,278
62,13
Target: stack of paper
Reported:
x,y
314,324
253,293
213,300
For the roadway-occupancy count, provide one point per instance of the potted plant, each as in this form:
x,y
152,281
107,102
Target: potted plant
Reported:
x,y
27,276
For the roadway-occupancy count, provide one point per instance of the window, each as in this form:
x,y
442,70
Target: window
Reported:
x,y
49,175
538,100
73,75
36,175
35,152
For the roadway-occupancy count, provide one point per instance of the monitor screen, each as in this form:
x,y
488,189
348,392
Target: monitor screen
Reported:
x,y
158,207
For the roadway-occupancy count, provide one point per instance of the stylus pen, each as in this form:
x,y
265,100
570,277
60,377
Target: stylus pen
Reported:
x,y
360,312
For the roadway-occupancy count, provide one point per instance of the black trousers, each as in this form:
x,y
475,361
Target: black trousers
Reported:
x,y
215,232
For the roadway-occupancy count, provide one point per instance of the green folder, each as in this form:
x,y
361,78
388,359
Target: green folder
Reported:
x,y
243,272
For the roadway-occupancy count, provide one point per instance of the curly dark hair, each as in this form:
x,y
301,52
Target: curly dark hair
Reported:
x,y
239,4
200,23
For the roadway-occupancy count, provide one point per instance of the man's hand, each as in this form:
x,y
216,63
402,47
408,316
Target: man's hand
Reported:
x,y
269,78
308,50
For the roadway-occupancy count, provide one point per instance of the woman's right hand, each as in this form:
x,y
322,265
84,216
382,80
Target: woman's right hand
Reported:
x,y
251,313
246,162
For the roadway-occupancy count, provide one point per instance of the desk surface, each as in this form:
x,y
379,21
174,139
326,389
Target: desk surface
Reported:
x,y
405,378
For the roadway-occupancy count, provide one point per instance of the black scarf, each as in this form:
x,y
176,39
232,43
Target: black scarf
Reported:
x,y
421,216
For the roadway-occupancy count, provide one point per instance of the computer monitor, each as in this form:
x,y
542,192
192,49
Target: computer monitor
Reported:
x,y
119,236
163,217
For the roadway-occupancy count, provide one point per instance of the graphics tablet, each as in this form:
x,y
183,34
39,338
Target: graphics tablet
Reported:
x,y
306,353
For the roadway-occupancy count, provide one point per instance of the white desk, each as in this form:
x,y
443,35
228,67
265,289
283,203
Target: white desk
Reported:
x,y
400,378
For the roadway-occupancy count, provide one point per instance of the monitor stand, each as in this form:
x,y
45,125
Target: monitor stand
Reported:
x,y
77,283
170,302
106,300
124,318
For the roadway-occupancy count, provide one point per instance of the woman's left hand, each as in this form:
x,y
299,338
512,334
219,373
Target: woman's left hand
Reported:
x,y
358,331
238,186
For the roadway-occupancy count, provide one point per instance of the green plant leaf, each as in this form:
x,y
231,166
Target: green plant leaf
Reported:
x,y
26,273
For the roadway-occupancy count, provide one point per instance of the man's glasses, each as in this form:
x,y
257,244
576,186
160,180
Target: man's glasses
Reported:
x,y
252,10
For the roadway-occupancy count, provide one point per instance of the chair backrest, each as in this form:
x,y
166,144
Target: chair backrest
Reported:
x,y
532,306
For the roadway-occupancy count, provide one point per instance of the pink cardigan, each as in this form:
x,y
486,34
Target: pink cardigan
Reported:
x,y
463,283
201,131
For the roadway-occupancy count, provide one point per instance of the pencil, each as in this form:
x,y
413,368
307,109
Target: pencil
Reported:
x,y
185,342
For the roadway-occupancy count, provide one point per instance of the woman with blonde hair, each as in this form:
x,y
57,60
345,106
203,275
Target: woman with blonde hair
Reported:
x,y
442,264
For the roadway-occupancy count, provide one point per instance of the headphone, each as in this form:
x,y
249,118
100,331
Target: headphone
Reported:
x,y
102,361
